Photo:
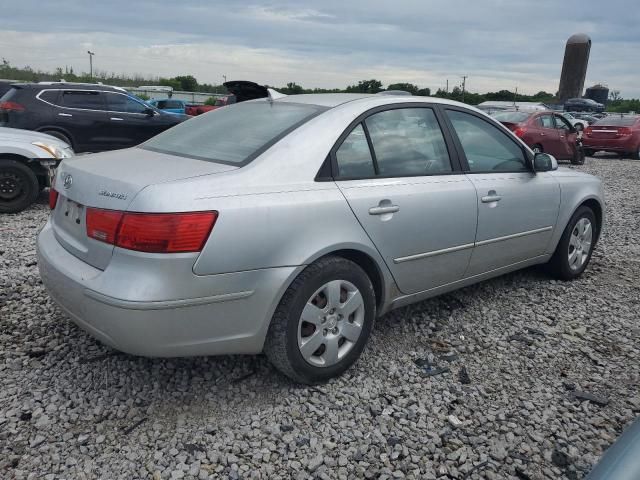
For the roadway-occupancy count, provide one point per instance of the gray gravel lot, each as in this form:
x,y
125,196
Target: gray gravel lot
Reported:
x,y
71,408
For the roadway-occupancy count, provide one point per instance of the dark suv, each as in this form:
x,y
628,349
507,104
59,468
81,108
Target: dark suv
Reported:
x,y
89,117
583,105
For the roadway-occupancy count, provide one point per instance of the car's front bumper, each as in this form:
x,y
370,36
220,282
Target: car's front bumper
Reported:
x,y
232,318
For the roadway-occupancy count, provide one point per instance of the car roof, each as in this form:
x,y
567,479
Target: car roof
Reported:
x,y
331,100
67,86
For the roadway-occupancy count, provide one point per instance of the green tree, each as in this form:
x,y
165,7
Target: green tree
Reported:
x,y
188,83
292,88
405,87
365,86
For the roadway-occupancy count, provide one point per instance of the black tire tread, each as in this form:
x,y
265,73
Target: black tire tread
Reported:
x,y
275,347
558,265
32,195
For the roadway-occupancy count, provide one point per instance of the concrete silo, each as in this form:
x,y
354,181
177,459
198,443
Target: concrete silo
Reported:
x,y
574,67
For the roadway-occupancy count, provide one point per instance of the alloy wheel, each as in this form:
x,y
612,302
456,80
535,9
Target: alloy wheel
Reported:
x,y
580,243
331,323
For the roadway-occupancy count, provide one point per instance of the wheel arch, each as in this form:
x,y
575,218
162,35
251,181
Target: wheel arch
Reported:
x,y
597,209
37,169
63,131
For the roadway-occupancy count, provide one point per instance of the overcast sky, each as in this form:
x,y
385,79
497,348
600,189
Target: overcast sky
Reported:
x,y
497,43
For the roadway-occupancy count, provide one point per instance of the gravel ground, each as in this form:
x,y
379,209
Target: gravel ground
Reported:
x,y
521,350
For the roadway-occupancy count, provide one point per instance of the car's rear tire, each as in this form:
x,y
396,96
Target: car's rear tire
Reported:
x,y
323,321
19,186
588,152
537,148
636,155
59,136
575,247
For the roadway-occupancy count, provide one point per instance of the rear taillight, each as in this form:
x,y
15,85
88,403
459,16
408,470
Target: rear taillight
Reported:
x,y
11,106
53,198
519,132
103,224
151,232
624,131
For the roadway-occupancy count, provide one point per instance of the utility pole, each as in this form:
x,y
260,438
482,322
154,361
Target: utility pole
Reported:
x,y
464,82
224,77
91,54
447,86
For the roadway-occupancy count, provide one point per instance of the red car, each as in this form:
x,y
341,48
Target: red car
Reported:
x,y
239,91
544,131
619,134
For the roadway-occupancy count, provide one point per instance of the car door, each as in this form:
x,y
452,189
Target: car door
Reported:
x,y
130,122
83,115
517,208
568,136
548,135
409,194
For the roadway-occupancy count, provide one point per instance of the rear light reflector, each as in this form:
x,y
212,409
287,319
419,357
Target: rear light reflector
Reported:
x,y
151,232
53,198
11,106
103,225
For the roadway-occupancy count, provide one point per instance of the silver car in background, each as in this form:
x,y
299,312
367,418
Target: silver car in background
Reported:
x,y
286,225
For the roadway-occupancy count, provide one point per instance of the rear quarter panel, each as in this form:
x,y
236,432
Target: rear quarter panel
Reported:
x,y
575,189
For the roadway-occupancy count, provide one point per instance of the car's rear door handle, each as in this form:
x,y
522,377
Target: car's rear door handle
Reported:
x,y
118,119
491,196
383,210
65,115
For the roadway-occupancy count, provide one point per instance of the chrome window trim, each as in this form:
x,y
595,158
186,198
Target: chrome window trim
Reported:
x,y
466,246
88,109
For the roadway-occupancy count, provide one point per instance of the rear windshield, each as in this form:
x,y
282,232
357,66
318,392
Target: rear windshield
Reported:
x,y
510,117
234,135
617,121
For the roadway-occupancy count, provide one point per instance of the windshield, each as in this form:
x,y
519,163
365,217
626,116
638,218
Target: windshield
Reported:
x,y
510,117
234,135
617,121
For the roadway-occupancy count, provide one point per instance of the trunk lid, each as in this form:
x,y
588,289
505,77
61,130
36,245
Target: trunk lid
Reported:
x,y
111,180
604,132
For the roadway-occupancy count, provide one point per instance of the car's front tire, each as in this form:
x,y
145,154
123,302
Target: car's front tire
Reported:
x,y
323,321
19,186
575,248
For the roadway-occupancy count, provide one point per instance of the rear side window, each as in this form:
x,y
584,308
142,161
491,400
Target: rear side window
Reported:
x,y
487,148
407,142
546,121
50,96
354,157
87,100
236,134
117,102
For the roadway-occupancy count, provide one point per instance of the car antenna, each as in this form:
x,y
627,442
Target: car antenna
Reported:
x,y
274,95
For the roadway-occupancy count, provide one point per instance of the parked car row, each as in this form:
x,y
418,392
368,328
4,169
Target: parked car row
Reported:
x,y
544,131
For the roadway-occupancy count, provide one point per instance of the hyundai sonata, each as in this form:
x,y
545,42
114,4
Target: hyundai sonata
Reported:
x,y
286,225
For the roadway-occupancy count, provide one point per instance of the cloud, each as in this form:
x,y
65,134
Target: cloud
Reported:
x,y
497,43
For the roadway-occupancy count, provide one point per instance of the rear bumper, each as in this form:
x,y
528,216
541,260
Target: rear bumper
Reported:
x,y
612,145
232,318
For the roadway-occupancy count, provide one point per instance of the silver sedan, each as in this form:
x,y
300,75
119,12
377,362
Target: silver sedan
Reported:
x,y
286,225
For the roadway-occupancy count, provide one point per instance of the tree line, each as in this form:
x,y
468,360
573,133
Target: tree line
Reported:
x,y
189,83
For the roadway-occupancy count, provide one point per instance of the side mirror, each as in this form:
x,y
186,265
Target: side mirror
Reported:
x,y
543,162
150,112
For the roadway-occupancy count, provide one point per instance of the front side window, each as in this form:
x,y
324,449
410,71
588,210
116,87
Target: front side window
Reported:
x,y
354,157
562,123
234,135
407,142
117,102
486,147
87,100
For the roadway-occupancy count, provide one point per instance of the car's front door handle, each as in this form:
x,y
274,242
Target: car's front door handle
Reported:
x,y
491,196
65,115
541,134
383,210
118,119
